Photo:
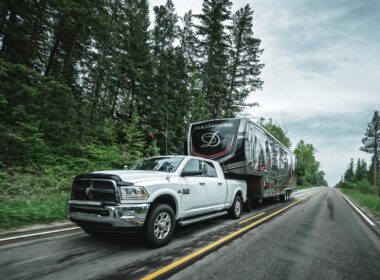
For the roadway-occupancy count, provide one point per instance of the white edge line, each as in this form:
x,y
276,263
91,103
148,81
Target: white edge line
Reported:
x,y
357,209
37,234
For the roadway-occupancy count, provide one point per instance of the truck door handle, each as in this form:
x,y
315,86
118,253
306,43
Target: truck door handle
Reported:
x,y
219,183
202,183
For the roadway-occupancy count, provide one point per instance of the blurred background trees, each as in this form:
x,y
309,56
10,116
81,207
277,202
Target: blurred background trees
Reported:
x,y
80,75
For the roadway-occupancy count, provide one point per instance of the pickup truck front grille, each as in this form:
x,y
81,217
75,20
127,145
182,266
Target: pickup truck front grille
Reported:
x,y
94,190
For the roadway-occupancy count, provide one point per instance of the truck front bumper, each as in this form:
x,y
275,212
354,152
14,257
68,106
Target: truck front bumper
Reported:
x,y
91,214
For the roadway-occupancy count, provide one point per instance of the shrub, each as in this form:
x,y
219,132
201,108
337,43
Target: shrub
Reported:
x,y
364,186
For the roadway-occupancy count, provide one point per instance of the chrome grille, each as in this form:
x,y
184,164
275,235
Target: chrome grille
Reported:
x,y
94,190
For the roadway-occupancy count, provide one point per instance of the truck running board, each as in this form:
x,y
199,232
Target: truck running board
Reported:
x,y
201,218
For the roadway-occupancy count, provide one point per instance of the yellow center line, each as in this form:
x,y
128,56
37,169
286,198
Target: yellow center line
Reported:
x,y
251,218
203,250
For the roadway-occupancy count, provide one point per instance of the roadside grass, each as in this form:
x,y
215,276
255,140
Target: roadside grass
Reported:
x,y
31,210
33,198
369,201
36,191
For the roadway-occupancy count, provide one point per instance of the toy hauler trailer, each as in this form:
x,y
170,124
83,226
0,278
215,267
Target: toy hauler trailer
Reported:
x,y
245,150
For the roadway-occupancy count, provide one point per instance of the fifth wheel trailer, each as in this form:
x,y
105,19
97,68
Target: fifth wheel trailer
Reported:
x,y
245,150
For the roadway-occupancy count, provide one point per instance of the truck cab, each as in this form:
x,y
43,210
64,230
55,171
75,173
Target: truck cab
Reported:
x,y
154,195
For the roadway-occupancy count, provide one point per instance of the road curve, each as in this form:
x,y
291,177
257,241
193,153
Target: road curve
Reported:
x,y
321,238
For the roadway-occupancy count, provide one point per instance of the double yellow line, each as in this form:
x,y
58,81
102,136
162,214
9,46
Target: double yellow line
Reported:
x,y
215,244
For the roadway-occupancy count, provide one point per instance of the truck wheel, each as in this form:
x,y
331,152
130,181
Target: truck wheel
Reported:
x,y
282,198
160,225
236,208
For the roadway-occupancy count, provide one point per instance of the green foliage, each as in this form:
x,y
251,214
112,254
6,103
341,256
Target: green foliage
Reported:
x,y
349,175
357,178
134,144
214,45
364,186
244,66
370,202
86,85
280,133
30,210
371,145
307,169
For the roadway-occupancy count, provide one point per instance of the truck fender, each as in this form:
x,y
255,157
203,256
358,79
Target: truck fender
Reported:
x,y
166,191
237,190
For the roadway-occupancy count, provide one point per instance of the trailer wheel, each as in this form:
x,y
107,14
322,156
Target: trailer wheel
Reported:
x,y
287,195
236,208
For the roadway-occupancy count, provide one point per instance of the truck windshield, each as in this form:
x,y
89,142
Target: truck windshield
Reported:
x,y
165,164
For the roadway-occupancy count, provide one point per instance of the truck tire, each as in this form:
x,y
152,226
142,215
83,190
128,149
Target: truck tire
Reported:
x,y
160,225
236,208
282,197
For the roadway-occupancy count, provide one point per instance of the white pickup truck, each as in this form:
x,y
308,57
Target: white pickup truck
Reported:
x,y
154,195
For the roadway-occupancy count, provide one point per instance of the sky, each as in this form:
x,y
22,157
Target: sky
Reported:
x,y
322,71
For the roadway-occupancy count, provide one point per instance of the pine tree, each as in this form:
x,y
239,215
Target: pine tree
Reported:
x,y
137,65
361,170
371,144
215,47
170,79
189,48
244,61
349,175
133,140
24,27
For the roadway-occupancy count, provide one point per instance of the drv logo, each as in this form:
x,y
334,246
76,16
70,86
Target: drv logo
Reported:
x,y
210,139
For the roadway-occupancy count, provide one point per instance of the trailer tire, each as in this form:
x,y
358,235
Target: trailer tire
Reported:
x,y
159,226
236,208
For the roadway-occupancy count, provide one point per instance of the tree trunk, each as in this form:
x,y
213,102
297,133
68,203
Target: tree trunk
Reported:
x,y
53,52
7,37
69,54
4,8
93,103
234,70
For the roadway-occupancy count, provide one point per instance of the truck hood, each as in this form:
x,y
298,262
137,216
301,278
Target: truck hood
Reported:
x,y
135,176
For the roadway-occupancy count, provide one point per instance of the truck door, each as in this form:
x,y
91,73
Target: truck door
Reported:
x,y
193,190
216,192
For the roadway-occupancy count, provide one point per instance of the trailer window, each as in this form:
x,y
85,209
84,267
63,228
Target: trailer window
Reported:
x,y
210,170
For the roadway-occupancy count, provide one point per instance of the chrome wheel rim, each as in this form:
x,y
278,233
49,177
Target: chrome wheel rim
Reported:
x,y
237,207
162,225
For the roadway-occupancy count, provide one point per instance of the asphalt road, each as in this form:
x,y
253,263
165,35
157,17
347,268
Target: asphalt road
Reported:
x,y
320,238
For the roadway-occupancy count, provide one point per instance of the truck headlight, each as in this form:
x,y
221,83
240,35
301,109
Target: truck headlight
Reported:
x,y
133,193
